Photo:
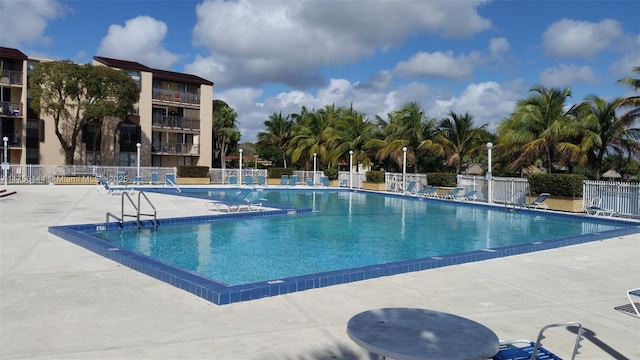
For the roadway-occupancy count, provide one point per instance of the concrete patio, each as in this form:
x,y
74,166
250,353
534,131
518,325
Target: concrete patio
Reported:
x,y
60,301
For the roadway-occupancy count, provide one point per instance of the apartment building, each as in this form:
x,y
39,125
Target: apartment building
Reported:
x,y
172,120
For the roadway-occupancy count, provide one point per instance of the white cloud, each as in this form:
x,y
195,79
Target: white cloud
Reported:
x,y
439,64
285,41
567,75
498,46
24,22
140,39
572,38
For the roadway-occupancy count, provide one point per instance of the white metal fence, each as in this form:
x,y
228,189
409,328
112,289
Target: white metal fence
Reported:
x,y
620,197
48,174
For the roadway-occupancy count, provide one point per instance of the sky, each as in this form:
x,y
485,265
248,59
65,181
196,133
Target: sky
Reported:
x,y
275,56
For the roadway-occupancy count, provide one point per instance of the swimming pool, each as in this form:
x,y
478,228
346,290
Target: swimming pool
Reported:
x,y
343,236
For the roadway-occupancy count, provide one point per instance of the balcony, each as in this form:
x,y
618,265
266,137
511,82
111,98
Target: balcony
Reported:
x,y
15,140
176,122
9,108
174,148
11,77
175,96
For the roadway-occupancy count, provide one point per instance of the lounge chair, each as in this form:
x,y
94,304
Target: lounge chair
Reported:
x,y
248,180
526,349
104,187
468,196
411,187
324,181
634,305
344,183
284,180
309,181
154,178
538,203
233,180
235,204
293,180
452,193
262,181
427,191
595,208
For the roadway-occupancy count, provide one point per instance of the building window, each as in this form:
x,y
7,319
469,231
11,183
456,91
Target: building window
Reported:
x,y
128,159
93,158
129,137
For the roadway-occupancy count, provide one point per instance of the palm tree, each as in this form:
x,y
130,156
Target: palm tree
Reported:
x,y
539,128
410,128
277,134
604,129
351,131
225,133
632,82
458,136
308,136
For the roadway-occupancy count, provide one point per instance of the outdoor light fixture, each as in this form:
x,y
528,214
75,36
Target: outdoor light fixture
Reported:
x,y
351,169
489,180
404,168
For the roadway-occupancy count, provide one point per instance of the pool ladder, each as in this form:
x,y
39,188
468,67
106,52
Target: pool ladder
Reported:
x,y
137,208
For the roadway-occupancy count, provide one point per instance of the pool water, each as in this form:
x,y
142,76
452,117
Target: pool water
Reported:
x,y
345,230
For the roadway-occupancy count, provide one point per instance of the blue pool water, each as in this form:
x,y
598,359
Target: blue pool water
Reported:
x,y
345,230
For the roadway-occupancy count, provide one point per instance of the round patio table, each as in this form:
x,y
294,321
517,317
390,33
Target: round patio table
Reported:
x,y
409,333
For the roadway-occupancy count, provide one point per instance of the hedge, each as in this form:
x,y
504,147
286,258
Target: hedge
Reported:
x,y
442,179
375,176
277,172
193,171
557,184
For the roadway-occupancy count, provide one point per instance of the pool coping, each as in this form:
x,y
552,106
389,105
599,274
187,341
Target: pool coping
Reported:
x,y
222,294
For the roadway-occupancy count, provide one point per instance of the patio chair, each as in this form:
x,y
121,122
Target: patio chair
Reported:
x,y
468,196
233,180
309,181
411,187
532,350
324,180
595,208
105,188
235,204
538,203
284,180
344,183
452,193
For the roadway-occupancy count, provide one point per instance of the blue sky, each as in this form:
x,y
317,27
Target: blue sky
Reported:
x,y
270,56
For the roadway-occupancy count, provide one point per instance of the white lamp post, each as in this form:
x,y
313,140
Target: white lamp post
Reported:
x,y
315,155
256,162
138,163
351,169
404,168
5,163
240,170
489,180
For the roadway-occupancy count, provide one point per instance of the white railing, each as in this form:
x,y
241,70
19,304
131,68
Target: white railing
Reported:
x,y
394,181
220,176
50,174
620,197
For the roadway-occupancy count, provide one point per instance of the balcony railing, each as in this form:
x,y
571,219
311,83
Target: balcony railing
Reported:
x,y
175,148
9,108
176,122
11,77
175,96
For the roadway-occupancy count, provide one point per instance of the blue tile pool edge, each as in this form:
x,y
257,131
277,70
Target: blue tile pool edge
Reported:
x,y
221,294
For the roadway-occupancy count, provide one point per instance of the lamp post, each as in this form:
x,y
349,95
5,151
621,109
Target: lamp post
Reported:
x,y
240,170
138,163
256,162
404,168
5,163
315,155
489,180
351,169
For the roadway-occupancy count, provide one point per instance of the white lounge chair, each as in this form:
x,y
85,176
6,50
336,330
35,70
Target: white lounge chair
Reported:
x,y
595,208
526,349
538,203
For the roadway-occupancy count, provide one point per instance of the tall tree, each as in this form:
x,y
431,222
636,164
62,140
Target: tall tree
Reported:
x,y
75,95
605,129
458,137
225,134
351,131
633,83
309,133
277,134
539,128
409,127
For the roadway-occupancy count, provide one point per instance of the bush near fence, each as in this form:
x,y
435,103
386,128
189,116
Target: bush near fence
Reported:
x,y
566,185
277,172
375,176
193,171
442,179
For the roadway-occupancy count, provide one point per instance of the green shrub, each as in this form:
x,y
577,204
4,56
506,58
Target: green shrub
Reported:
x,y
193,171
442,179
277,172
375,176
331,173
557,184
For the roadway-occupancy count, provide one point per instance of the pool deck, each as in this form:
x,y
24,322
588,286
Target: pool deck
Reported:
x,y
61,301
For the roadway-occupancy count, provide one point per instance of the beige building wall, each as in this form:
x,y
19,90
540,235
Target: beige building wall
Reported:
x,y
146,116
206,125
